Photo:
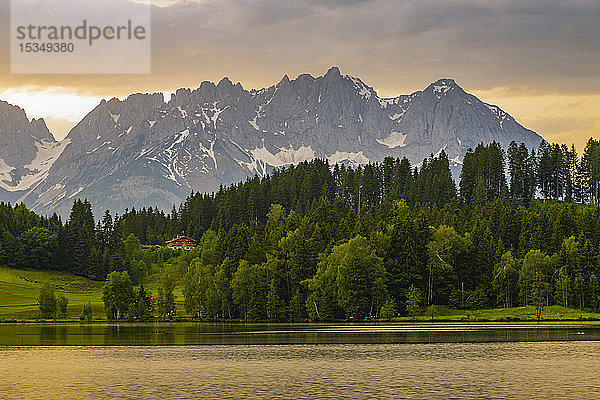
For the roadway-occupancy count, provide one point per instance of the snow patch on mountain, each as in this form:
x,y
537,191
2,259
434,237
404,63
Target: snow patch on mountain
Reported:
x,y
457,160
5,171
396,139
363,90
440,150
354,158
37,170
76,192
441,89
216,112
283,156
211,152
254,124
498,113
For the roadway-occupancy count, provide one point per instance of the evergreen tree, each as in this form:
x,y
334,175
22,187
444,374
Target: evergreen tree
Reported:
x,y
590,169
482,176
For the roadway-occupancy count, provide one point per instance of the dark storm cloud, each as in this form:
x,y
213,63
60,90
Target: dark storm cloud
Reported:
x,y
531,55
548,45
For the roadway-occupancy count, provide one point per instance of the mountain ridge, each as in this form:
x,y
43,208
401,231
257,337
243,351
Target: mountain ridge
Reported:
x,y
27,151
144,150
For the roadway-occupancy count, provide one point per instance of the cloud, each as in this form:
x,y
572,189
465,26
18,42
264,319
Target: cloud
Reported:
x,y
548,45
563,118
533,49
55,102
555,125
59,127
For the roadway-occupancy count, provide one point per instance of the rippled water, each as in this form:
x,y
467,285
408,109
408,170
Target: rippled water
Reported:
x,y
239,333
296,361
534,370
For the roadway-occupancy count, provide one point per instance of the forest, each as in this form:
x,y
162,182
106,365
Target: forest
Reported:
x,y
321,242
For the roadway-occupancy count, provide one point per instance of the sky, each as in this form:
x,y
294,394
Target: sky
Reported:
x,y
537,60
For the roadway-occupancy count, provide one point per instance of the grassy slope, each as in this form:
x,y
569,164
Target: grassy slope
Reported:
x,y
444,313
19,290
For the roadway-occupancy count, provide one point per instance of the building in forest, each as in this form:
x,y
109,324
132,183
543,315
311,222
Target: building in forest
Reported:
x,y
181,242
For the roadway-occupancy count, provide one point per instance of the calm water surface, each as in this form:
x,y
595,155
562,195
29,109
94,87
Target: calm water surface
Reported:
x,y
439,362
131,334
538,370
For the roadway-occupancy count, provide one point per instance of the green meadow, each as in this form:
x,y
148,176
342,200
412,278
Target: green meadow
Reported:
x,y
516,314
20,288
19,291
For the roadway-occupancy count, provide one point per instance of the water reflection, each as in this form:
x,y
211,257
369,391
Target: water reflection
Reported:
x,y
252,334
52,335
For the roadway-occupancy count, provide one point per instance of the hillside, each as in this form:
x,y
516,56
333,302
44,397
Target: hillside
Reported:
x,y
19,291
321,243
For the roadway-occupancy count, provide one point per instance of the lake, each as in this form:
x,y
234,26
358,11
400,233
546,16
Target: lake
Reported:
x,y
131,334
173,361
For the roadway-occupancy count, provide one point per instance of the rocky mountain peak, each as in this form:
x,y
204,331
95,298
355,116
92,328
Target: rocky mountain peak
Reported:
x,y
14,123
11,116
144,152
445,82
333,72
442,87
40,130
27,151
284,81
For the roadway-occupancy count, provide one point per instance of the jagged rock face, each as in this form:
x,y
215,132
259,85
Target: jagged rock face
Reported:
x,y
27,151
443,116
145,152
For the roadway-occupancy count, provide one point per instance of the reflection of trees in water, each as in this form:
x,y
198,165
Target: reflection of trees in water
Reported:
x,y
165,334
138,334
53,335
87,334
191,334
128,334
110,333
206,332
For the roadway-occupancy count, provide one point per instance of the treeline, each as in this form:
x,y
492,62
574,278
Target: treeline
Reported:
x,y
325,266
553,172
79,246
311,241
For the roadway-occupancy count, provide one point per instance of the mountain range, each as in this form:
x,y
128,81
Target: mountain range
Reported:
x,y
145,151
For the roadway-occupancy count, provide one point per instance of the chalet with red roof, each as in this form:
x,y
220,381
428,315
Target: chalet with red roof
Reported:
x,y
181,242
